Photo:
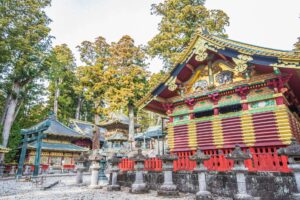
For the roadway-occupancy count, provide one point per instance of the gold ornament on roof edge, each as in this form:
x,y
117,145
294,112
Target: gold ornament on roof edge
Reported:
x,y
200,51
241,62
287,64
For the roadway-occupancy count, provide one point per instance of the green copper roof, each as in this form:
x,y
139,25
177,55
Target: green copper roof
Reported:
x,y
152,132
58,128
58,147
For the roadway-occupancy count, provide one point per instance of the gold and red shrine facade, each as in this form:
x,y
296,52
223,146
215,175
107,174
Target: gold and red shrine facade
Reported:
x,y
221,93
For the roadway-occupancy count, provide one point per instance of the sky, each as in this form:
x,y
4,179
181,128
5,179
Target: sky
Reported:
x,y
267,23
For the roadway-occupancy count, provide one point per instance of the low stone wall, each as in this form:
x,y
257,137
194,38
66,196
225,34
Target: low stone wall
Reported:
x,y
267,185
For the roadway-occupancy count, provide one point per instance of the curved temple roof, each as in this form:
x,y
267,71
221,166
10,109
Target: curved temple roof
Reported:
x,y
57,128
204,44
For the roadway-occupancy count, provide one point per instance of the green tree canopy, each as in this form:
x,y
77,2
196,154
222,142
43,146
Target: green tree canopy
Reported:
x,y
24,46
180,20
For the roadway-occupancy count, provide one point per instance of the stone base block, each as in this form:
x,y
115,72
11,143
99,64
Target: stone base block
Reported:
x,y
168,190
114,188
245,197
295,196
139,188
103,182
203,195
95,186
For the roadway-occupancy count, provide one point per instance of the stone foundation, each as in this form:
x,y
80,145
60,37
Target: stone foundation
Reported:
x,y
267,185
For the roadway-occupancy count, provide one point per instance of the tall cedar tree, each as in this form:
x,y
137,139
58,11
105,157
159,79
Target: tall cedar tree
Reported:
x,y
127,68
93,78
180,20
25,43
61,78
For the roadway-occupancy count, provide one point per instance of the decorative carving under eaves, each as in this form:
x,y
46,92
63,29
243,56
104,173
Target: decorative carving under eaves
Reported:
x,y
200,52
286,64
172,86
241,62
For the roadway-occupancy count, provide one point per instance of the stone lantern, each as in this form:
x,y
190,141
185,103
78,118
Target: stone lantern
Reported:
x,y
103,180
293,153
139,186
114,161
238,156
200,157
79,169
168,188
95,157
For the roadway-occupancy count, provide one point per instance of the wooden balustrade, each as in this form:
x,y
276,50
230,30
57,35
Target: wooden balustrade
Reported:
x,y
263,159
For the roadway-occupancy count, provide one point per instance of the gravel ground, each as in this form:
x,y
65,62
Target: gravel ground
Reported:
x,y
67,190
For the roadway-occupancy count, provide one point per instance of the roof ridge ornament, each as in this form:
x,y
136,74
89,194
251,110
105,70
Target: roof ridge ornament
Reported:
x,y
241,62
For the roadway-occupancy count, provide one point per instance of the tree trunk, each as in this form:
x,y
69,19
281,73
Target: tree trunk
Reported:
x,y
5,109
18,108
11,109
56,95
96,115
78,108
131,123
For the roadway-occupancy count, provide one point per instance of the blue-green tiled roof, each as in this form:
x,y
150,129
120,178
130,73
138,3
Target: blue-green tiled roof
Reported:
x,y
58,147
152,132
58,128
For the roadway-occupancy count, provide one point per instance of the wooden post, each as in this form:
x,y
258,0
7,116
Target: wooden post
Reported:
x,y
22,157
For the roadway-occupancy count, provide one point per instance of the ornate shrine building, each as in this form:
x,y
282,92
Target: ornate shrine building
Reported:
x,y
59,148
222,93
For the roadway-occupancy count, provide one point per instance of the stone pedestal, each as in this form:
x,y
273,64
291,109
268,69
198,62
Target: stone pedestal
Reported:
x,y
27,170
293,153
238,156
114,161
95,158
12,171
79,169
168,188
139,186
200,157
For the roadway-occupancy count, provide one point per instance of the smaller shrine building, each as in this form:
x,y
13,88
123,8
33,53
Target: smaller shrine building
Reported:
x,y
59,148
